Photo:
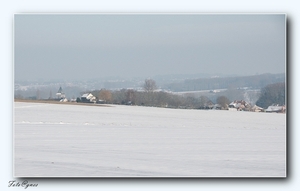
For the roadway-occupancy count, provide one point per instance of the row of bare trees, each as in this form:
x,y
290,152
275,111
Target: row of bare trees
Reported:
x,y
151,97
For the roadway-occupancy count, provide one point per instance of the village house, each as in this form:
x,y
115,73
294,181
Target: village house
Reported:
x,y
88,98
73,100
256,108
240,105
63,100
276,109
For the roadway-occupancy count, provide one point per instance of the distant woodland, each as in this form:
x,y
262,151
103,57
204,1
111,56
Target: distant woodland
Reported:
x,y
261,90
271,94
255,82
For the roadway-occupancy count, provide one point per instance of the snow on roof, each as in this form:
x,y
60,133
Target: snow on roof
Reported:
x,y
85,95
256,107
274,108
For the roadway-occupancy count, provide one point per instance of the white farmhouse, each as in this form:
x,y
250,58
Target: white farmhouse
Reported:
x,y
88,97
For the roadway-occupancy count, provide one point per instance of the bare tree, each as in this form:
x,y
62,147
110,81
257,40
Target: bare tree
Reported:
x,y
223,101
105,95
119,96
204,101
130,96
149,85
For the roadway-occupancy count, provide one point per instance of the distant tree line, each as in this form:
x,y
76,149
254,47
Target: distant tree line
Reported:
x,y
255,81
151,97
270,94
155,99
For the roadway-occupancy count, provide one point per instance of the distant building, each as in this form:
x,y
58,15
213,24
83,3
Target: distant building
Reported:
x,y
64,100
73,100
214,91
240,105
88,97
276,108
60,95
256,108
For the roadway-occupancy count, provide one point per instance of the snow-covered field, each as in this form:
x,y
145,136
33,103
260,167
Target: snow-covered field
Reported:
x,y
53,140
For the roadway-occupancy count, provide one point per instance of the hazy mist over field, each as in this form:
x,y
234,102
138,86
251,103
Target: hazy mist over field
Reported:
x,y
87,46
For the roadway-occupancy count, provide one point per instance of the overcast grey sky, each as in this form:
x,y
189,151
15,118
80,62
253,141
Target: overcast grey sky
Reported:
x,y
79,46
